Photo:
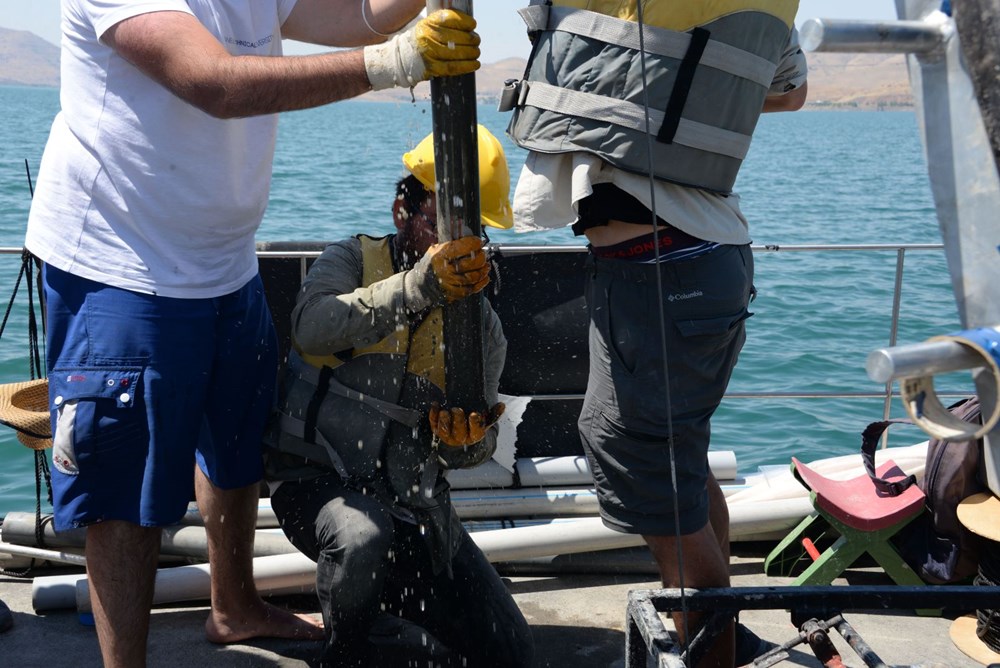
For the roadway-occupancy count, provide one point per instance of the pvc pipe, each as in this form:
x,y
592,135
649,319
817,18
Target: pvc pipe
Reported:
x,y
629,561
54,592
560,472
38,553
177,540
276,575
583,535
279,574
746,520
266,519
512,503
554,471
487,474
292,573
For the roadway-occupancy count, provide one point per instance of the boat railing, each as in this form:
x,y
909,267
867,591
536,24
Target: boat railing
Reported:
x,y
301,254
296,256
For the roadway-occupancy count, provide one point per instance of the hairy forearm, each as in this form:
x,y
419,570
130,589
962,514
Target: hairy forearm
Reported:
x,y
175,50
254,85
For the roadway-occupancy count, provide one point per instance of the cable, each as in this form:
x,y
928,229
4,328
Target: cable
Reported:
x,y
662,320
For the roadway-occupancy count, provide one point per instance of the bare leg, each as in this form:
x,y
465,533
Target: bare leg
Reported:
x,y
718,515
238,612
121,566
704,566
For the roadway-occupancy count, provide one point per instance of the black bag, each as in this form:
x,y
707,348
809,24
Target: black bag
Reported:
x,y
936,545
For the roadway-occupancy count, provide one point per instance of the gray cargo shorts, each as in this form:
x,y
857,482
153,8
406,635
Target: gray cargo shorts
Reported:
x,y
625,424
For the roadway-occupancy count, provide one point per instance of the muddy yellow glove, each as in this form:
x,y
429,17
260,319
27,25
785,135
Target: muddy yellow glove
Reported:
x,y
460,267
454,429
442,44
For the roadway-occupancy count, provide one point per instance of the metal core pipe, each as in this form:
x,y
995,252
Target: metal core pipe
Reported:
x,y
842,36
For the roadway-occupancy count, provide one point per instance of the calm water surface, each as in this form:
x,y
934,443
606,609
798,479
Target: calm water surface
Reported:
x,y
810,178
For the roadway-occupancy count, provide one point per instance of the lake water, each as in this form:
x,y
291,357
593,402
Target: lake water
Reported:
x,y
810,178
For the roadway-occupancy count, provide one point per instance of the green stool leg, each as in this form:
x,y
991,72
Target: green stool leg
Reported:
x,y
835,560
789,553
900,572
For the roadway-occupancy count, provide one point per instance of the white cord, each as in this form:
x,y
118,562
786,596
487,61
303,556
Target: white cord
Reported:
x,y
364,18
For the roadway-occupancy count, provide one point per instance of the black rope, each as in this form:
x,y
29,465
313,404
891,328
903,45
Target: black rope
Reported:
x,y
34,350
30,268
988,620
17,284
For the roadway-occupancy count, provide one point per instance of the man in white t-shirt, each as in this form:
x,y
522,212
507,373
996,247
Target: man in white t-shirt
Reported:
x,y
161,349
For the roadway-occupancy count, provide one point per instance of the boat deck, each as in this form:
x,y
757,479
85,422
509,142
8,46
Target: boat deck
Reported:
x,y
578,621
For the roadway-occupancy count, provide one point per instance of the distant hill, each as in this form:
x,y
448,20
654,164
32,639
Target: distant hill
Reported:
x,y
858,80
836,80
27,60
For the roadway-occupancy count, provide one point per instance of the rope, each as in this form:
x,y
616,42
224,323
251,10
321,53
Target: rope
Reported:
x,y
29,266
988,620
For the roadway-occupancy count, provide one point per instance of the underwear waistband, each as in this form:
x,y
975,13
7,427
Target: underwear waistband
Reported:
x,y
643,248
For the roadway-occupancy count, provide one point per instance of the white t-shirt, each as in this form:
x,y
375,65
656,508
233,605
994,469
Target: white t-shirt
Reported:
x,y
138,189
551,184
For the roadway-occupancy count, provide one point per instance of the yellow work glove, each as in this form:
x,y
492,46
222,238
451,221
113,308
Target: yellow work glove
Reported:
x,y
460,266
442,44
452,427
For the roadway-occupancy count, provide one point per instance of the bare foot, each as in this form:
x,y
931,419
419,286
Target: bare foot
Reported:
x,y
261,621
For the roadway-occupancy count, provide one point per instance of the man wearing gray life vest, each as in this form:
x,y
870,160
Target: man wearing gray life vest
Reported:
x,y
636,119
357,464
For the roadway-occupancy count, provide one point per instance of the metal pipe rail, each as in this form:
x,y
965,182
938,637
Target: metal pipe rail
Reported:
x,y
920,359
844,36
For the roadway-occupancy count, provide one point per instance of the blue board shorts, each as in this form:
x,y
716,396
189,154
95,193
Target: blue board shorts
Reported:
x,y
625,424
141,387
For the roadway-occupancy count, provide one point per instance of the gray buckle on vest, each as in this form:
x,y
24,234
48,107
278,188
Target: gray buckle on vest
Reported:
x,y
513,94
535,16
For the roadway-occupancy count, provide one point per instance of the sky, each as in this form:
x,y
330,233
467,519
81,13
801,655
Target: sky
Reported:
x,y
499,25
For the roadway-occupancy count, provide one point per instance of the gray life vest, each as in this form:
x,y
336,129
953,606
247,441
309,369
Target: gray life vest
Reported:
x,y
705,89
338,411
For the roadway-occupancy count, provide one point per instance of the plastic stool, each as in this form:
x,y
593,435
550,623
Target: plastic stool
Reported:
x,y
863,519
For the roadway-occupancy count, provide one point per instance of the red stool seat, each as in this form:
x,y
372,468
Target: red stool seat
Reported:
x,y
856,502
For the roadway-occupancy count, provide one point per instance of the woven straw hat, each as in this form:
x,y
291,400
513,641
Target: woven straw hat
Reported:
x,y
25,408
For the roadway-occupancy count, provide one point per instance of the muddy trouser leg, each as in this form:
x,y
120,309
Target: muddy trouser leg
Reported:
x,y
471,613
349,535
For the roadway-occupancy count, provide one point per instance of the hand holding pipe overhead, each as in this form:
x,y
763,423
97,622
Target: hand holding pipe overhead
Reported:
x,y
915,366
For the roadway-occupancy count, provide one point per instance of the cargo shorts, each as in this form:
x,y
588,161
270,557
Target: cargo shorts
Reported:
x,y
142,387
646,391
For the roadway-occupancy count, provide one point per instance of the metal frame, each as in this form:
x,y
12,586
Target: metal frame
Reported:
x,y
814,610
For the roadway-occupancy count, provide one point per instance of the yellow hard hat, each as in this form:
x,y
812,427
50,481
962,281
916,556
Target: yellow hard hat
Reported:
x,y
494,176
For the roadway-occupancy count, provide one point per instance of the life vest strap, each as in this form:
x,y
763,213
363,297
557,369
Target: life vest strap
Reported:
x,y
682,86
656,41
324,381
297,428
630,115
